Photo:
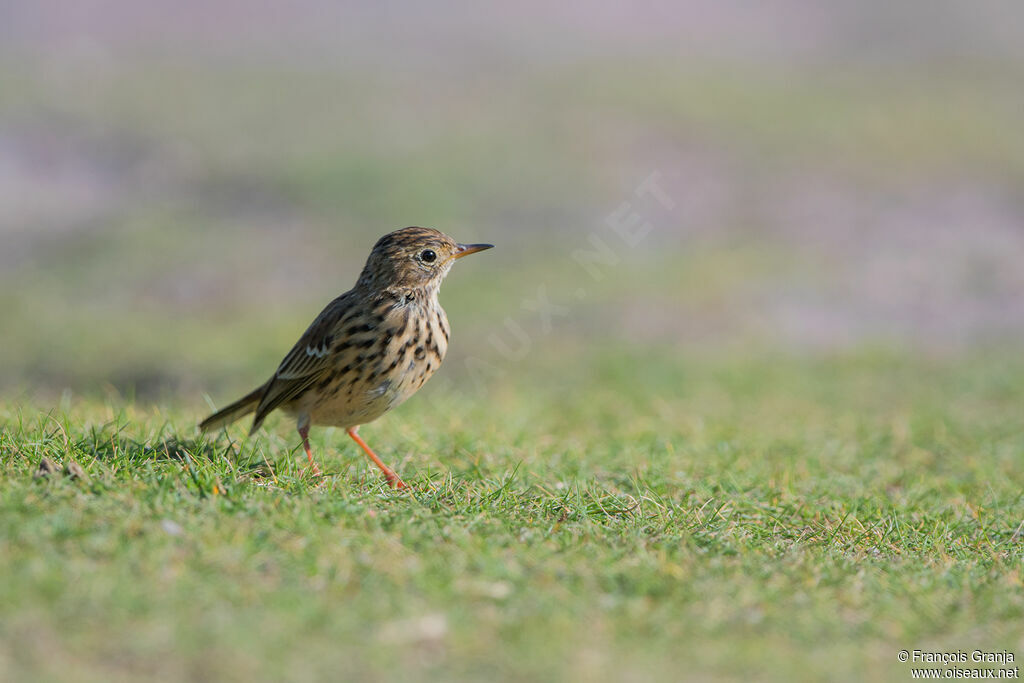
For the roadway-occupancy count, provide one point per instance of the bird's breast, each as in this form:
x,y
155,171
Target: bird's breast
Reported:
x,y
416,350
409,344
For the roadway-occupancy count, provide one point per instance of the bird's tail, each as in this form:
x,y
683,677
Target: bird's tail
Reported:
x,y
236,410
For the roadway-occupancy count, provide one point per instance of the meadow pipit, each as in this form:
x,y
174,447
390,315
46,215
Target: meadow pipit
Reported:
x,y
369,349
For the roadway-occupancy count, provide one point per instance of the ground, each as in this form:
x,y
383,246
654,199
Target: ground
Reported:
x,y
771,517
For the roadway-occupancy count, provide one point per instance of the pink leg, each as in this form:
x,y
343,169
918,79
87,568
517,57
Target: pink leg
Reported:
x,y
393,479
304,433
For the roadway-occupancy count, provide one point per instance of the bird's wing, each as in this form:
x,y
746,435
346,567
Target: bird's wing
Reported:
x,y
312,357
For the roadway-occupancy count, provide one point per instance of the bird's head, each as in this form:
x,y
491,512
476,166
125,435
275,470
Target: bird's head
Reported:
x,y
413,258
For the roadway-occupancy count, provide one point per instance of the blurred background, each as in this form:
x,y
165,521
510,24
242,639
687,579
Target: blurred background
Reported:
x,y
183,185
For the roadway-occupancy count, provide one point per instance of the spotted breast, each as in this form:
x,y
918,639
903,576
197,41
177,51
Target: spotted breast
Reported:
x,y
398,348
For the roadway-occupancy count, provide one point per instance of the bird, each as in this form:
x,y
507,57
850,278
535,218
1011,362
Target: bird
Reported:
x,y
369,350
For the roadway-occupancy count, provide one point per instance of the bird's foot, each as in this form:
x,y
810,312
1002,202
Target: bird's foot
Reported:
x,y
396,481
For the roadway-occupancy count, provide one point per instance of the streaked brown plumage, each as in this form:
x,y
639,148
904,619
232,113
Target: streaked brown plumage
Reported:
x,y
368,350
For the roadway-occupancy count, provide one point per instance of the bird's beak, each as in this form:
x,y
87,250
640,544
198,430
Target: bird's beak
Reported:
x,y
467,249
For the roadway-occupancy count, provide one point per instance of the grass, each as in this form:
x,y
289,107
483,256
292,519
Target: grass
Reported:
x,y
761,516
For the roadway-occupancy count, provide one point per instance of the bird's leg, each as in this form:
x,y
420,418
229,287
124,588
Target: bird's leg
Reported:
x,y
393,479
303,427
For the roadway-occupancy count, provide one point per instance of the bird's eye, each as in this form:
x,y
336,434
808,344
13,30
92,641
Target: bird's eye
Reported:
x,y
428,256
